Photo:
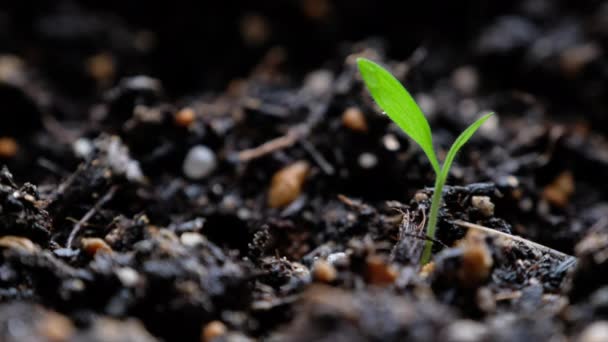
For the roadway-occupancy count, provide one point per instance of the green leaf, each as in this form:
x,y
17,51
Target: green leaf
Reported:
x,y
460,141
399,105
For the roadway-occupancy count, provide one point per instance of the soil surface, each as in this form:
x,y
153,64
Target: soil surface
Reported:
x,y
217,171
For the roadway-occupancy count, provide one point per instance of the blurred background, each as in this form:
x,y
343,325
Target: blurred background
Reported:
x,y
549,48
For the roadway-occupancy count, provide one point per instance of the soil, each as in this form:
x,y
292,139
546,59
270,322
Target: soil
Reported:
x,y
217,171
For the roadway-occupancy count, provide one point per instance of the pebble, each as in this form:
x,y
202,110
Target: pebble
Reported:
x,y
127,276
101,67
559,191
573,60
185,117
353,119
199,162
337,258
379,272
93,246
427,104
287,184
18,243
190,239
213,330
55,327
8,147
324,272
477,259
390,142
466,80
595,332
484,204
368,160
82,147
464,331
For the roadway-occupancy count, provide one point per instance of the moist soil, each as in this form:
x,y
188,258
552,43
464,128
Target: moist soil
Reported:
x,y
183,173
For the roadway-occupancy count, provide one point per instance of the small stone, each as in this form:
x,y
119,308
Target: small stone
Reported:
x,y
18,243
287,184
55,327
127,276
420,197
368,160
324,272
255,30
379,272
391,143
466,80
213,330
353,119
595,332
337,258
427,104
185,117
8,147
573,60
92,246
559,191
427,269
477,259
82,147
483,204
199,163
190,239
101,67
464,331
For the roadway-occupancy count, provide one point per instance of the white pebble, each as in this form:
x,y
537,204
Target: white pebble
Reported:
x,y
127,276
199,162
82,147
190,239
367,160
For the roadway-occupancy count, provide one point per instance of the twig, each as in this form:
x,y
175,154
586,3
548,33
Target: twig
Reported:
x,y
287,140
107,197
513,238
327,168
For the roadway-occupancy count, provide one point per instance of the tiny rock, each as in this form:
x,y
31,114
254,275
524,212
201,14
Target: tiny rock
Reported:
x,y
185,117
101,67
287,184
191,239
8,147
483,204
56,327
324,272
199,163
427,270
559,191
595,332
464,331
420,197
477,259
466,80
367,160
93,246
354,119
213,330
18,243
127,276
379,272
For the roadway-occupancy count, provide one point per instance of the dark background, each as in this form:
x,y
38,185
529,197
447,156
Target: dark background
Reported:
x,y
199,45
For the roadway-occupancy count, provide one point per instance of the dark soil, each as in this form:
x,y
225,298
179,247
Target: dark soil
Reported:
x,y
301,216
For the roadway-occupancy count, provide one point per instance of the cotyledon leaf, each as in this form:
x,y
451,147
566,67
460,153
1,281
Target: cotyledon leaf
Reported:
x,y
459,142
399,105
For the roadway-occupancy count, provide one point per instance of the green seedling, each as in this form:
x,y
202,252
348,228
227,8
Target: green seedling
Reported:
x,y
399,105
